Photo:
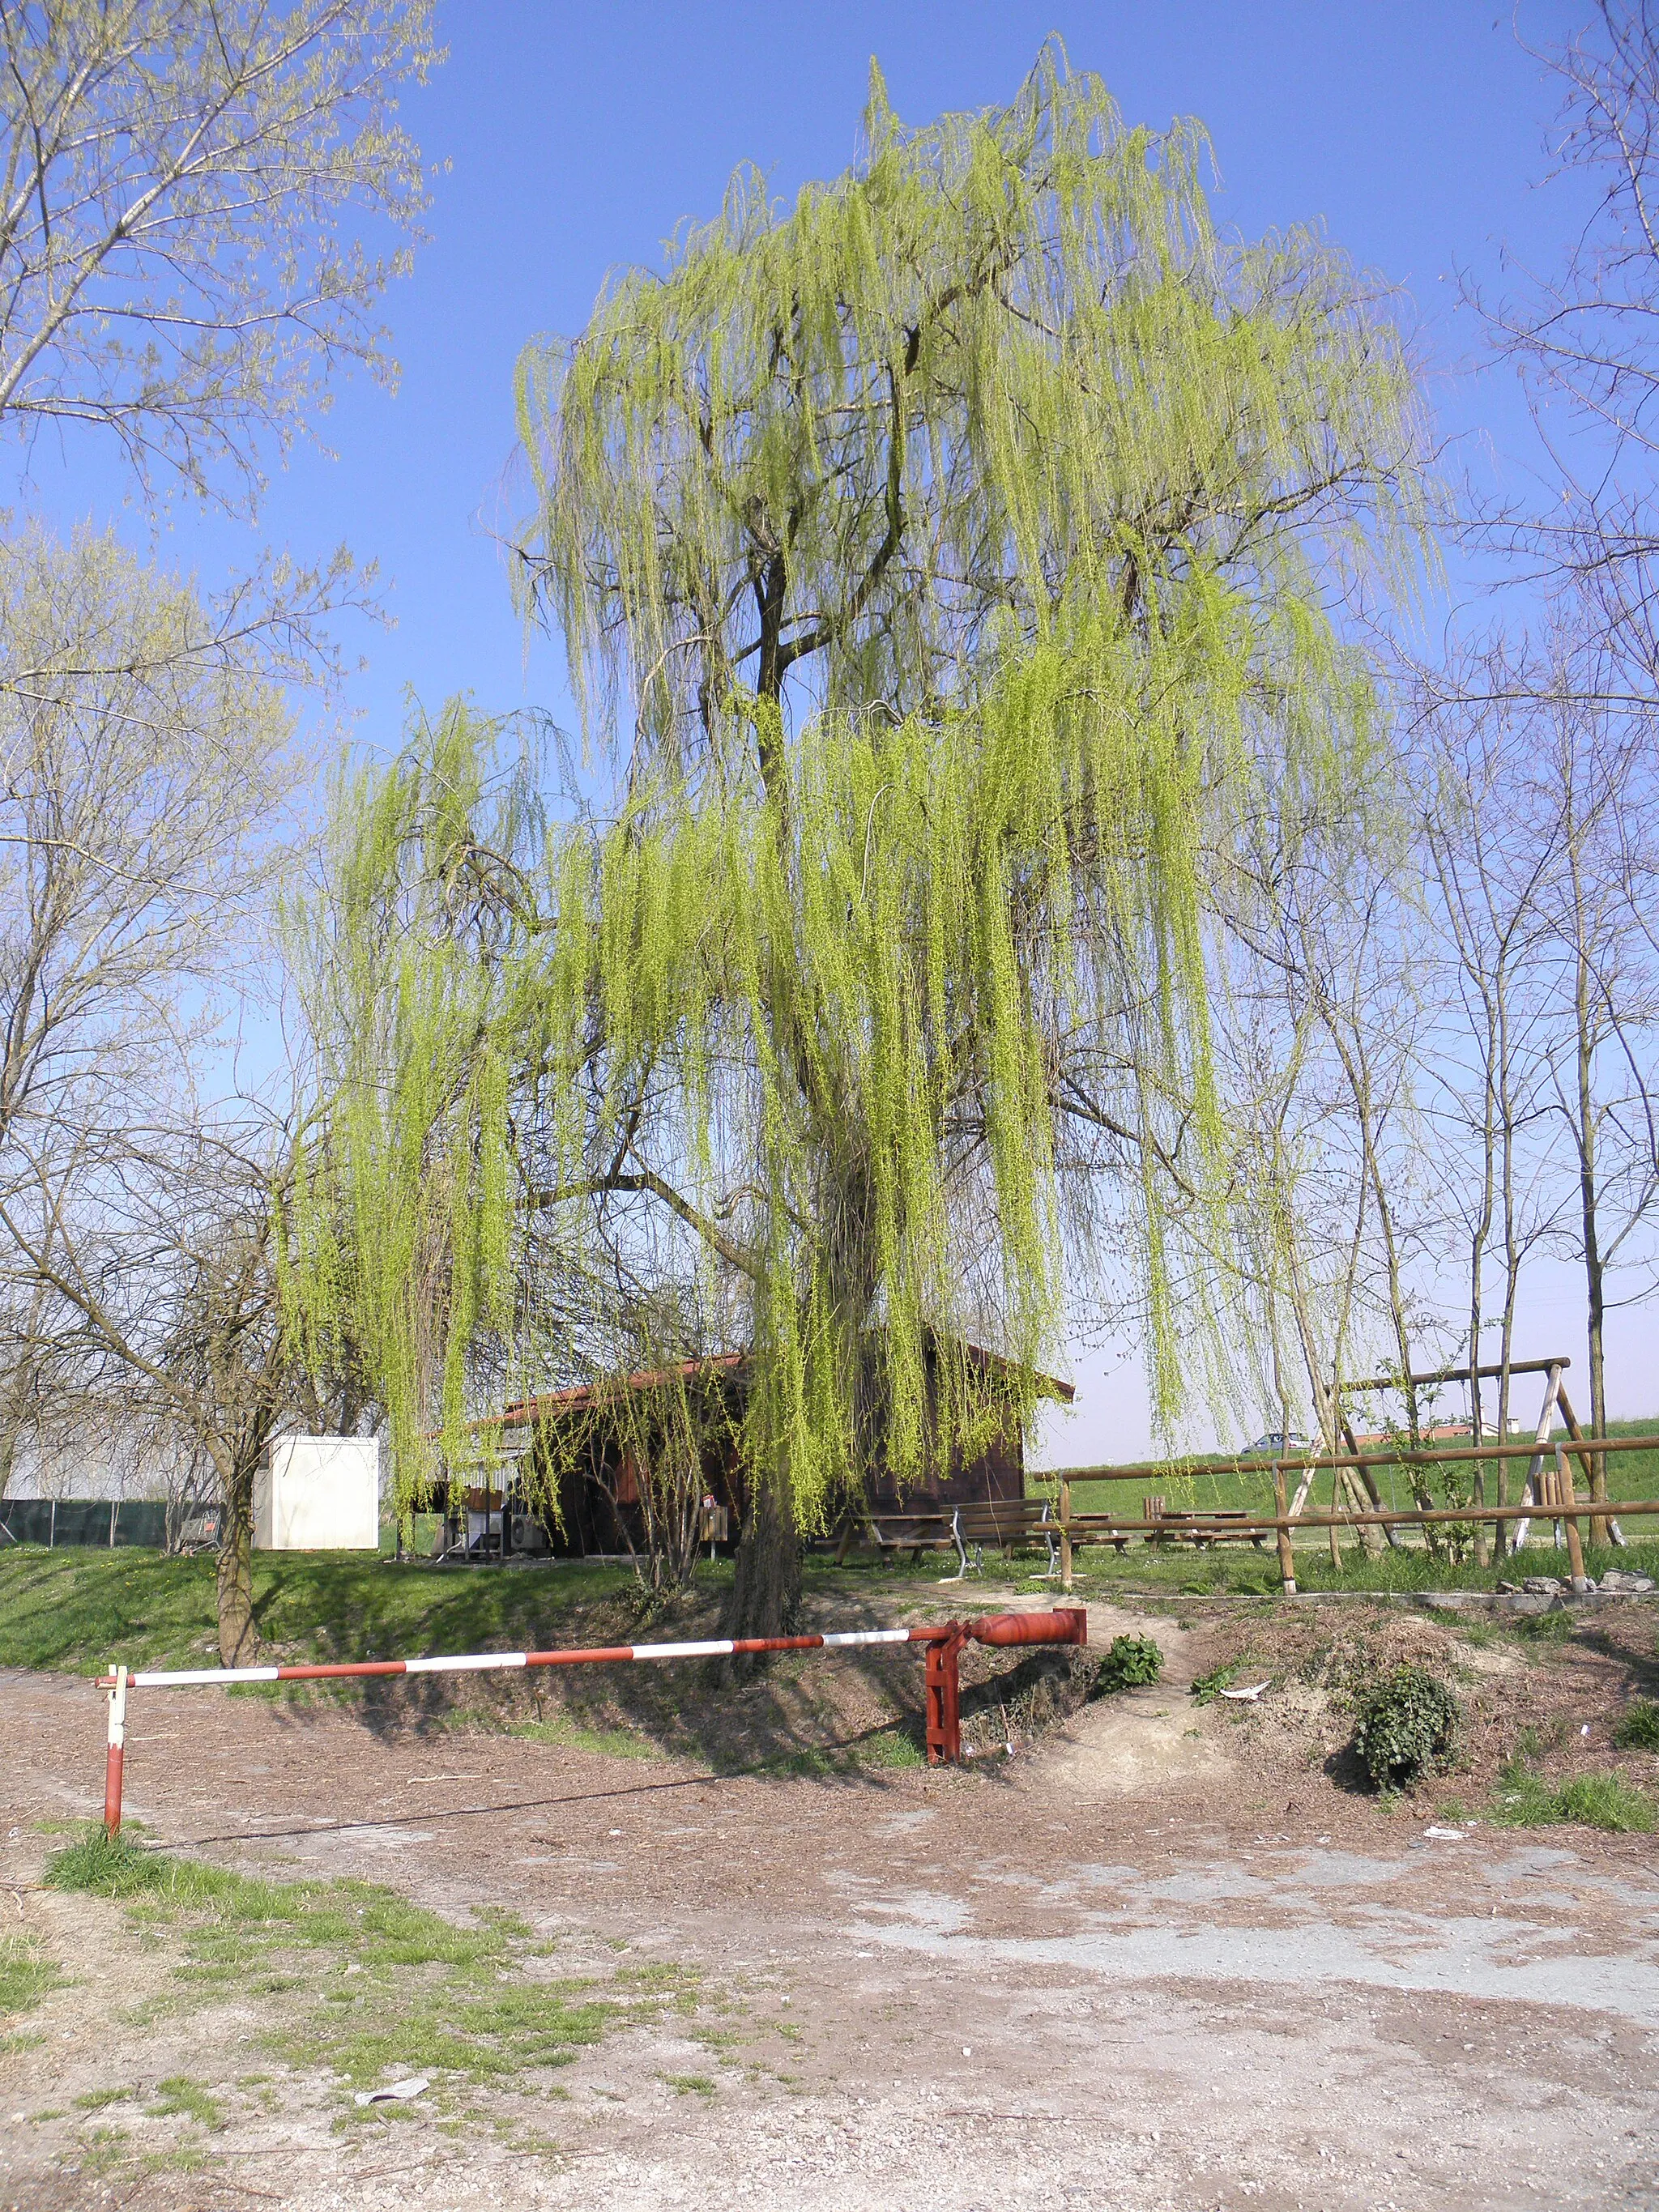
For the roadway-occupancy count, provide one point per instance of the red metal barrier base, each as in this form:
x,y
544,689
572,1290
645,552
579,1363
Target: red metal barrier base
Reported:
x,y
943,1679
944,1692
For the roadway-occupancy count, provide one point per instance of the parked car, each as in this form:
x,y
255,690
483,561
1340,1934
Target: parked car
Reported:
x,y
1277,1444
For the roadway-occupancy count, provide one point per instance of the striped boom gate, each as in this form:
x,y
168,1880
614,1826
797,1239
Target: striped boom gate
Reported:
x,y
944,1643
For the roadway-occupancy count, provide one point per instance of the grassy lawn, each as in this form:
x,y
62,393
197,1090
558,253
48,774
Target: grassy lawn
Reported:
x,y
77,1610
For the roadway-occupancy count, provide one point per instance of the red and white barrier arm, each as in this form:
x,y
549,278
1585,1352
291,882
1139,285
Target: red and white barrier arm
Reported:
x,y
945,1640
473,1662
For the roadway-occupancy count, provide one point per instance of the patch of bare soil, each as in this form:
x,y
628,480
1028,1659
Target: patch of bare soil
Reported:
x,y
1163,1956
1553,1687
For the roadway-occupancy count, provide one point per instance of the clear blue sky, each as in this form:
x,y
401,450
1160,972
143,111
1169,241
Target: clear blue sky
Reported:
x,y
579,136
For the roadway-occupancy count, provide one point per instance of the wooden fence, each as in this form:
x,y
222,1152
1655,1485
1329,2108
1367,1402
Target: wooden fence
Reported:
x,y
1549,1495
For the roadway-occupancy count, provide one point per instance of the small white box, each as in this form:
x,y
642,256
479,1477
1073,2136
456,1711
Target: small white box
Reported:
x,y
318,1494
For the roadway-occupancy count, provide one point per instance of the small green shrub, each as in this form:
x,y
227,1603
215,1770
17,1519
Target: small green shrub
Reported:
x,y
1406,1723
1208,1687
1130,1661
1637,1727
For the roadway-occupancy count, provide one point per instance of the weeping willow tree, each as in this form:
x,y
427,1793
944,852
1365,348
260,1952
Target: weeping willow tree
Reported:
x,y
950,568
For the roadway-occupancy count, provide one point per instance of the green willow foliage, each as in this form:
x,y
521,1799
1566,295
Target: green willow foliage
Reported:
x,y
946,567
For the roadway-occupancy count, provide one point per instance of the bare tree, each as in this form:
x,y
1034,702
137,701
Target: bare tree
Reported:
x,y
143,763
145,769
1585,336
1490,837
177,271
152,1248
1605,1074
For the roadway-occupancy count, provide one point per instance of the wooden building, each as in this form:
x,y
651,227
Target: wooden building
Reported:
x,y
582,1446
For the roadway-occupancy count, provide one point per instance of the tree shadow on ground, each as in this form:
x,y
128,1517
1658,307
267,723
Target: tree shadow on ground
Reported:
x,y
1642,1666
797,1713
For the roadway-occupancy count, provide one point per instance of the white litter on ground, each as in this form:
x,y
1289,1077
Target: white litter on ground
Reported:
x,y
395,2093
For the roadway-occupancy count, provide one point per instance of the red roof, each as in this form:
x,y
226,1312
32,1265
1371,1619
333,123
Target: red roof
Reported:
x,y
579,1395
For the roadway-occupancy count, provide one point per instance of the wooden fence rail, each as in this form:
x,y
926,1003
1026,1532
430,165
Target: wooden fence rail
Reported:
x,y
1583,1448
1073,1528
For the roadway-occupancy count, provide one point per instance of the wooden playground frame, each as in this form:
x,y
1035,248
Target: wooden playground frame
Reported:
x,y
1549,1490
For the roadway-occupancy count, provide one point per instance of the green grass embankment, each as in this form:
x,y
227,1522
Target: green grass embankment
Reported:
x,y
77,1610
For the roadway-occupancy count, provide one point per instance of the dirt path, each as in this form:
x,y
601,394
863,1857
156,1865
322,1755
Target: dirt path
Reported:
x,y
1127,1970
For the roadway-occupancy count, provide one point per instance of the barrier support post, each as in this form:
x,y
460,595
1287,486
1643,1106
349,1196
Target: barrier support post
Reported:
x,y
943,1683
1281,1513
117,1745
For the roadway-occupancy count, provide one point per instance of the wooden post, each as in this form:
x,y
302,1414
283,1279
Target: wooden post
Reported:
x,y
1601,1531
1565,1500
1535,1465
1367,1482
1286,1558
1066,1536
1336,1507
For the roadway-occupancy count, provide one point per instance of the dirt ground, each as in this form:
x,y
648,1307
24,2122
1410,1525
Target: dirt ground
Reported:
x,y
1164,1956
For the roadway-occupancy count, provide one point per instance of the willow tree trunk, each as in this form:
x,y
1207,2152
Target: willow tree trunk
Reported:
x,y
766,1592
240,1643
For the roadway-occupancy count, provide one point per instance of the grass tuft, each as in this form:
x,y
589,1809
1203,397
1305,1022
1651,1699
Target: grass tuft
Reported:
x,y
179,2098
1637,1726
1525,1800
26,1975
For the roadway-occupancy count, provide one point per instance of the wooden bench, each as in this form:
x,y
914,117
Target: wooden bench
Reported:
x,y
1202,1529
1005,1522
966,1529
916,1533
1095,1528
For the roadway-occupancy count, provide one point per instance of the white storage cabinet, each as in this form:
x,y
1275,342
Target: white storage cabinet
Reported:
x,y
318,1494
